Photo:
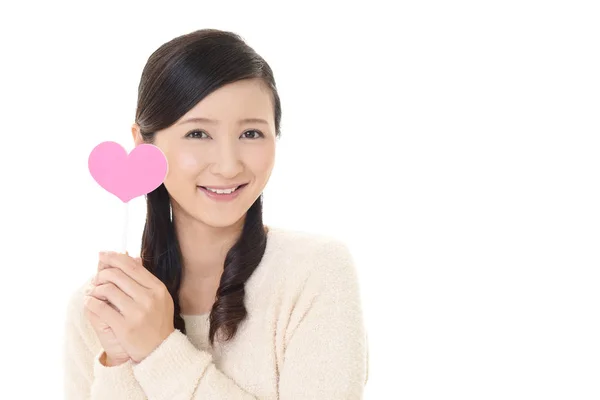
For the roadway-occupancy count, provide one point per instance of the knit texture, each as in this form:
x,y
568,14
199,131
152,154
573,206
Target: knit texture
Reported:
x,y
304,337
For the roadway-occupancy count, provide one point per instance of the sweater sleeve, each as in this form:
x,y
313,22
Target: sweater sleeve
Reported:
x,y
326,342
325,356
85,378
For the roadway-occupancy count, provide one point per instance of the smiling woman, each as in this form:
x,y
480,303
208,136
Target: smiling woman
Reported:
x,y
218,305
226,140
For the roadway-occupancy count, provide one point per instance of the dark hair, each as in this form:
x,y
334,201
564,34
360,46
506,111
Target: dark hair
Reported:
x,y
178,75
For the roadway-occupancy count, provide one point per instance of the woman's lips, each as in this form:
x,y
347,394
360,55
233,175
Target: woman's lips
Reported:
x,y
222,197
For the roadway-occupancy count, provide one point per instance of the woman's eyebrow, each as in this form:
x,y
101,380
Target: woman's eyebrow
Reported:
x,y
214,121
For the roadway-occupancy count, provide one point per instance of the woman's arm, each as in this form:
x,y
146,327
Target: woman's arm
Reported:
x,y
326,350
325,355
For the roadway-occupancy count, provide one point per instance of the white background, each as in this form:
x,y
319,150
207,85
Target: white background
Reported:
x,y
453,145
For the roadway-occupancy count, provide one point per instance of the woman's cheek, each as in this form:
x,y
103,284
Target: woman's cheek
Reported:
x,y
181,166
263,160
188,162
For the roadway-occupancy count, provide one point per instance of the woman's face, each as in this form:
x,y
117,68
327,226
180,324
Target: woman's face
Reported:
x,y
227,139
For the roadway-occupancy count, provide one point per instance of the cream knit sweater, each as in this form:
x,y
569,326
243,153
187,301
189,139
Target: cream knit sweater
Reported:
x,y
304,337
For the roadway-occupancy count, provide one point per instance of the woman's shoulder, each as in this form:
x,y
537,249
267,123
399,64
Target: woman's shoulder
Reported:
x,y
302,236
308,251
296,240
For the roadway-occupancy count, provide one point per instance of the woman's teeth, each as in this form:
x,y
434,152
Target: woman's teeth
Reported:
x,y
223,191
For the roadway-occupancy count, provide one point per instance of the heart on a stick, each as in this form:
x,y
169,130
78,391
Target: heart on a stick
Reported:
x,y
127,176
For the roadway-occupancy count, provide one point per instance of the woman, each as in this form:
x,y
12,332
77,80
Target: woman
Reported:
x,y
218,306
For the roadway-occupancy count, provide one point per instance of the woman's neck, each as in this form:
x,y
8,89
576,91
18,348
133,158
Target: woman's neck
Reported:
x,y
203,247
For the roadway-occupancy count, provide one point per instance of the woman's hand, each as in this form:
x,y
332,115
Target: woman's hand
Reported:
x,y
115,353
143,318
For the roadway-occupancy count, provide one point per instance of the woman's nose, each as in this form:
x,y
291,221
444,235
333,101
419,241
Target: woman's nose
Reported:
x,y
227,161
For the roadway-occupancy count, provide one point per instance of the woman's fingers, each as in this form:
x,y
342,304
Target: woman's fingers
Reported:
x,y
105,312
95,320
101,265
114,296
131,267
123,281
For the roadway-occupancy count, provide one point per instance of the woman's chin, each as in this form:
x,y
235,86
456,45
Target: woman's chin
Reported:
x,y
218,218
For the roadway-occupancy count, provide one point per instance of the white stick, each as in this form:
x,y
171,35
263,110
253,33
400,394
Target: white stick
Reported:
x,y
125,225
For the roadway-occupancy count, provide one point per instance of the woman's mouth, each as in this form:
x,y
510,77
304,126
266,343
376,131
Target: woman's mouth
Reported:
x,y
222,194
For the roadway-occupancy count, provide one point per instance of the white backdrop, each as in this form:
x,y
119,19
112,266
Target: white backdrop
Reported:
x,y
453,145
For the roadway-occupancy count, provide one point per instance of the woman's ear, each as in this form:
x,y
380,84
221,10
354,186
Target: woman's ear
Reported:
x,y
137,136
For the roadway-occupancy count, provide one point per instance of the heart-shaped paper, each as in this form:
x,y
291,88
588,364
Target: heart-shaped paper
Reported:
x,y
127,176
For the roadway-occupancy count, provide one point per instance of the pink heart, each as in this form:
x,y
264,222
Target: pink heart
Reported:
x,y
127,176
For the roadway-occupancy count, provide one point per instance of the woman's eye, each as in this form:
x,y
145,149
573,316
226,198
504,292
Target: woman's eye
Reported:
x,y
258,134
195,134
251,134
